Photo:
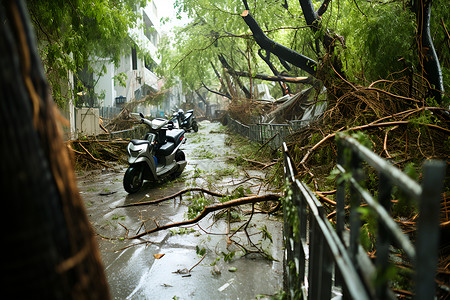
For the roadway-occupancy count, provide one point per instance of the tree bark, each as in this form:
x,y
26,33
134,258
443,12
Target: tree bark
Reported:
x,y
289,55
323,8
427,52
52,251
307,80
225,65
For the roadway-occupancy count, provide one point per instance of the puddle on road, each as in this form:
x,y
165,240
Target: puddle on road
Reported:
x,y
133,271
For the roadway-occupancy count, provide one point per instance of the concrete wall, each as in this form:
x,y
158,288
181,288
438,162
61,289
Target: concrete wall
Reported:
x,y
87,121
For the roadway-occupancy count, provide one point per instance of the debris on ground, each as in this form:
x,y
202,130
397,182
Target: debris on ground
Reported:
x,y
91,154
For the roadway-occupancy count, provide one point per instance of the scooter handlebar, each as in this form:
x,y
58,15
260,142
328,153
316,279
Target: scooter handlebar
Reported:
x,y
146,122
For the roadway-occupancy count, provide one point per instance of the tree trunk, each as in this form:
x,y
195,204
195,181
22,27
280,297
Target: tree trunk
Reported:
x,y
266,58
427,54
51,252
227,66
289,55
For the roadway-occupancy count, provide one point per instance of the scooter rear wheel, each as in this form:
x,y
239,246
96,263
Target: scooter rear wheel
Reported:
x,y
179,156
195,126
133,179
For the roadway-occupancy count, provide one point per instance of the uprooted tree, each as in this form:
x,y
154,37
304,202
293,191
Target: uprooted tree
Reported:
x,y
330,71
347,100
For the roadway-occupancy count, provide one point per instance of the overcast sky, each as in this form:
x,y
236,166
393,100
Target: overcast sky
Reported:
x,y
166,9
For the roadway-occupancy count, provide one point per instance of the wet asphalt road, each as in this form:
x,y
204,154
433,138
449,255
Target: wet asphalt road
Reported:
x,y
156,266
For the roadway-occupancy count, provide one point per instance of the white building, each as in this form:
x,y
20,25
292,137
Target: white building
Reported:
x,y
106,90
135,69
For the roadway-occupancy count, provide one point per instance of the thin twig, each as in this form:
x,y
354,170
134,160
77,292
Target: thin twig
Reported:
x,y
385,141
171,197
204,255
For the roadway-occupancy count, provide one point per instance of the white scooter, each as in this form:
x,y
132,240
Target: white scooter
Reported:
x,y
156,156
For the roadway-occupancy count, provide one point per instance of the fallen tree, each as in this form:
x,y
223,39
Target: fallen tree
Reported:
x,y
207,210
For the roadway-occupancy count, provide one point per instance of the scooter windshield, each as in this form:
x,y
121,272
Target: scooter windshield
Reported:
x,y
158,123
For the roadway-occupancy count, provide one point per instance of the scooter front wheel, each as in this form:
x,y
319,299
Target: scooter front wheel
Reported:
x,y
133,179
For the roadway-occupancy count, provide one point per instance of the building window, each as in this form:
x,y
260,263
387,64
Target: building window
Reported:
x,y
120,100
150,64
133,58
149,30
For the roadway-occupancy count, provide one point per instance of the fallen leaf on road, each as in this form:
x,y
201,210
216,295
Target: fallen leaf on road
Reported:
x,y
158,255
216,270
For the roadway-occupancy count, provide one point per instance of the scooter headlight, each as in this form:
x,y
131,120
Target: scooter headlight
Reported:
x,y
135,150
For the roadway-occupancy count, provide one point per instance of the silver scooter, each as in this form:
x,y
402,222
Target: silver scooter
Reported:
x,y
155,157
185,121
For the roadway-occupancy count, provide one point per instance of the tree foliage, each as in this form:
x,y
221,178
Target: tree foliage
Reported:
x,y
378,37
71,33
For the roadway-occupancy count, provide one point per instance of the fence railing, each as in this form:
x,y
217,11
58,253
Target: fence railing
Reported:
x,y
108,112
322,261
136,132
264,133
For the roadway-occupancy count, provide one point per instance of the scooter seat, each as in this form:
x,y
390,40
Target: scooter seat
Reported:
x,y
175,135
165,149
139,142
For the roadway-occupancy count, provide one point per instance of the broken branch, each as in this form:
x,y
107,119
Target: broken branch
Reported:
x,y
209,209
295,58
307,80
216,92
171,197
367,126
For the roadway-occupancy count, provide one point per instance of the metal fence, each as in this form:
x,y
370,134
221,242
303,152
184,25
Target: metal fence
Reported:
x,y
270,134
322,262
137,132
108,112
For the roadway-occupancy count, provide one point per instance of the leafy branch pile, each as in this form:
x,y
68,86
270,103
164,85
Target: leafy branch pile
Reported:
x,y
401,129
96,154
124,120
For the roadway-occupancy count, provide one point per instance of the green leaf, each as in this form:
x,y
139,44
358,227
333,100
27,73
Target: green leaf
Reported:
x,y
200,252
266,234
